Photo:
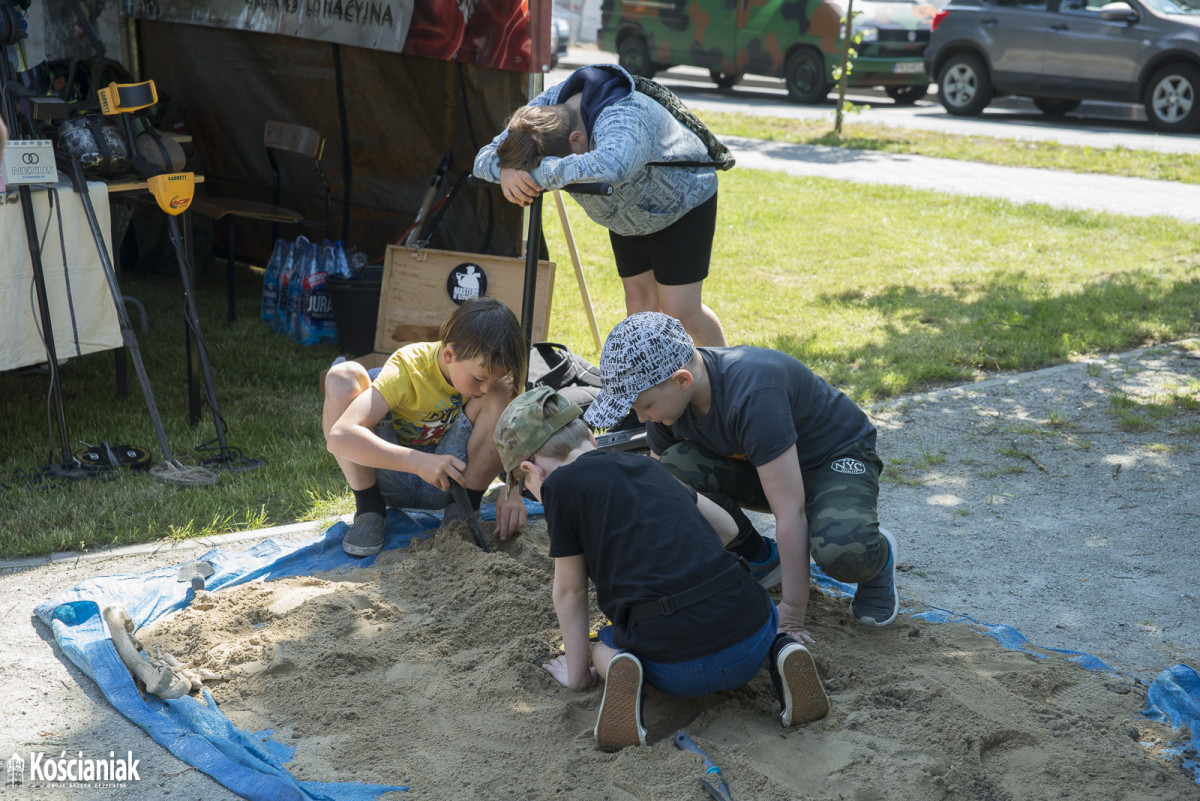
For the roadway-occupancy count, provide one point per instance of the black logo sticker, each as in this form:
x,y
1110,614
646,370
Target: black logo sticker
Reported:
x,y
466,282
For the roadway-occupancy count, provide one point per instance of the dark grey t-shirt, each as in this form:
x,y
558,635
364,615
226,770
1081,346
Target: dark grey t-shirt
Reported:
x,y
763,402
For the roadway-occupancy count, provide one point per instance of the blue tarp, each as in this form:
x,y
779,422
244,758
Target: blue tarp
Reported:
x,y
1174,699
249,764
252,765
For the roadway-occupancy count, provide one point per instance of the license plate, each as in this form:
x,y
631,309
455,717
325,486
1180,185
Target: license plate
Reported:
x,y
908,67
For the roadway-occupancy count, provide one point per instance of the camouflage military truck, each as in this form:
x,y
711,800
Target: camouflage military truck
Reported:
x,y
797,40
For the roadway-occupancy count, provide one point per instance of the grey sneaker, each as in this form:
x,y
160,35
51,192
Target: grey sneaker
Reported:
x,y
619,723
768,572
365,537
876,602
802,697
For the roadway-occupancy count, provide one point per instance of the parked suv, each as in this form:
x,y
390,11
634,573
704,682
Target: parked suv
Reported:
x,y
797,40
1060,52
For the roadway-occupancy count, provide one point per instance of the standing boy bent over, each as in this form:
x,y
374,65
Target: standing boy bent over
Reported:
x,y
425,420
752,427
686,615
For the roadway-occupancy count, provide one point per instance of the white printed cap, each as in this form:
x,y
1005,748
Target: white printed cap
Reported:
x,y
643,350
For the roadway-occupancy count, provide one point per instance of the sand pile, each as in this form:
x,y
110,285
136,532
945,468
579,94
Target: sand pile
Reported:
x,y
424,670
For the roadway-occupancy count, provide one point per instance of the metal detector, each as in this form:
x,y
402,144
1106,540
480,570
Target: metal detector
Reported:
x,y
173,192
36,110
169,470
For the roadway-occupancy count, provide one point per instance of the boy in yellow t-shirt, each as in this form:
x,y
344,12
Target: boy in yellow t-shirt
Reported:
x,y
426,418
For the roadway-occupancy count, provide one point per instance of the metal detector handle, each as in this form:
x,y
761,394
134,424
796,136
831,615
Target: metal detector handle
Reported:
x,y
589,188
533,246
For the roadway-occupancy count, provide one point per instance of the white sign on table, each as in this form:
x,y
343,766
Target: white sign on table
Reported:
x,y
30,162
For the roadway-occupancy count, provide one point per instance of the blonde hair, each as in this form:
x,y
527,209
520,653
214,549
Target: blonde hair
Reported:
x,y
535,132
565,439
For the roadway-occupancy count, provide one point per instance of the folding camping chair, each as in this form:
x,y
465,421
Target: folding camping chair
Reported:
x,y
277,136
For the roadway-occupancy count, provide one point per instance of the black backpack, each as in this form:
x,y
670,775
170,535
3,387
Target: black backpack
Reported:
x,y
553,365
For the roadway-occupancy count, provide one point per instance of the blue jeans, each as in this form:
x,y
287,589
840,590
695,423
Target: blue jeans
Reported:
x,y
726,669
408,490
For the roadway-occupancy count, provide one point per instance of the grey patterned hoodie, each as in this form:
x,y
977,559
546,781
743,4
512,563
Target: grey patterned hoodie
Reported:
x,y
628,135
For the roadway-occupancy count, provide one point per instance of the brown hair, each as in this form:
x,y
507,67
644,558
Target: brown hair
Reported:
x,y
486,328
535,132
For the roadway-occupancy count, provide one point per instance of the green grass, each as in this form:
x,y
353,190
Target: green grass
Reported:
x,y
1181,167
1138,415
882,290
887,290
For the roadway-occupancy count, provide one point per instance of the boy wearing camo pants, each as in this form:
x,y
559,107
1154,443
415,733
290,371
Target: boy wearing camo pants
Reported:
x,y
755,428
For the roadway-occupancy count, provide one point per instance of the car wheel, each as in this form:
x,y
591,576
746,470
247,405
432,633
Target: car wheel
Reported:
x,y
724,80
804,76
1055,107
1173,99
964,87
634,57
906,95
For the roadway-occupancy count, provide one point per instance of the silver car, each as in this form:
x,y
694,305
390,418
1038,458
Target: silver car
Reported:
x,y
1060,52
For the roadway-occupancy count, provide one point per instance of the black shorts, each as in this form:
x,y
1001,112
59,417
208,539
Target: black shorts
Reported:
x,y
678,254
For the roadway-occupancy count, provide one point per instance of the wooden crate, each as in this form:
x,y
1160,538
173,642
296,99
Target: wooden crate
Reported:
x,y
415,297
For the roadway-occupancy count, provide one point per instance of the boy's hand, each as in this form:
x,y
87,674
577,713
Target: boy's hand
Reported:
x,y
510,514
519,186
558,669
439,469
791,621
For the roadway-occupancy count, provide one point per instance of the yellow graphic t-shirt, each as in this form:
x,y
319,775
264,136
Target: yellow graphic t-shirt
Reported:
x,y
422,401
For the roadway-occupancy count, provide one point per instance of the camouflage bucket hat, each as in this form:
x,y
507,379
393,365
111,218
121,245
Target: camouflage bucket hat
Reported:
x,y
643,350
524,427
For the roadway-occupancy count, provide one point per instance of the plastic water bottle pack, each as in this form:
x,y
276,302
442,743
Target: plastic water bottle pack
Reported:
x,y
296,300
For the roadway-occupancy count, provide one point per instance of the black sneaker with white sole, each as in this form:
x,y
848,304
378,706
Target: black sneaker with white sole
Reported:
x,y
619,723
802,697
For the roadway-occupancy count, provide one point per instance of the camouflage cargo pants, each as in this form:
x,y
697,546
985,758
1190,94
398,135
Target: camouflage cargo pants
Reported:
x,y
840,499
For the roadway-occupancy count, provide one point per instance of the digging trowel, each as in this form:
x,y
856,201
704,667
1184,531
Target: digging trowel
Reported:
x,y
196,573
459,492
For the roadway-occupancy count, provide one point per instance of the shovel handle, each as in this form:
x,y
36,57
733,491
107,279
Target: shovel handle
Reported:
x,y
682,740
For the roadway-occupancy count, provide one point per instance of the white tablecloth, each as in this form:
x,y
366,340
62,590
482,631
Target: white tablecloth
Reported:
x,y
95,314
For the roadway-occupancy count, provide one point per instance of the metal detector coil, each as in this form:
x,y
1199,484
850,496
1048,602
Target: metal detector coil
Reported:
x,y
173,191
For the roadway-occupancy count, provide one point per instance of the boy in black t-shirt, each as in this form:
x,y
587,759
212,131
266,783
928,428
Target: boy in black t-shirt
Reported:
x,y
755,428
687,616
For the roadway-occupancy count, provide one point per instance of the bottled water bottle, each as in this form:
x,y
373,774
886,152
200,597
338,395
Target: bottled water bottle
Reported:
x,y
270,292
316,306
286,271
308,264
341,263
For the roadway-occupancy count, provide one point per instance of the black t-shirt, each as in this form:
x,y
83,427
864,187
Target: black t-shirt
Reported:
x,y
763,402
644,539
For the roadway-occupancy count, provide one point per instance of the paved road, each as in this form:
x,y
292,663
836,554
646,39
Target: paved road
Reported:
x,y
1103,125
1137,197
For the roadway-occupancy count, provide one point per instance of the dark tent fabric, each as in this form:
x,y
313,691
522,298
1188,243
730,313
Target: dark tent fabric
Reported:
x,y
401,113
